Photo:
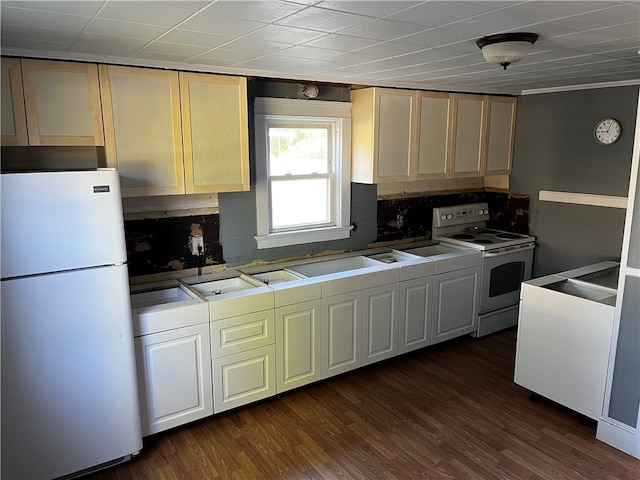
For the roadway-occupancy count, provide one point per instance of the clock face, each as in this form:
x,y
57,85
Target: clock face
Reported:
x,y
607,131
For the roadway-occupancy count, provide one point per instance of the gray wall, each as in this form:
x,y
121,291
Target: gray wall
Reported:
x,y
555,150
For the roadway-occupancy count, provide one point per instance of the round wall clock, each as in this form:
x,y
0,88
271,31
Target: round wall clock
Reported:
x,y
607,131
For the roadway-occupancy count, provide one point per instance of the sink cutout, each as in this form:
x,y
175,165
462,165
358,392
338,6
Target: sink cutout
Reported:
x,y
334,266
277,276
158,297
222,287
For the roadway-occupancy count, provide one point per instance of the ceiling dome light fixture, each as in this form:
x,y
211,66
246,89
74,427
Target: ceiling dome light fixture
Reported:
x,y
506,48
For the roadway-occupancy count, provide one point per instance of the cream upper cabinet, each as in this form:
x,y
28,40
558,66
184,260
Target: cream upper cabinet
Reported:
x,y
14,122
215,133
501,112
382,135
468,136
401,136
61,103
143,129
172,133
433,135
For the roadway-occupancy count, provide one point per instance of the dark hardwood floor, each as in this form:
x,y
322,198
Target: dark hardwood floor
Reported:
x,y
450,411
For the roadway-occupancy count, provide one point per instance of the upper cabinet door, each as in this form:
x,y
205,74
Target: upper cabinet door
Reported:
x,y
396,117
14,123
215,133
501,126
433,135
468,132
382,135
142,129
62,101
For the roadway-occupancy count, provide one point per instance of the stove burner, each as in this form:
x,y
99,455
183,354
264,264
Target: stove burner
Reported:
x,y
483,241
462,236
508,235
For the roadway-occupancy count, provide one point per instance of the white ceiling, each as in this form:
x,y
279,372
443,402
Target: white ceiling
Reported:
x,y
412,44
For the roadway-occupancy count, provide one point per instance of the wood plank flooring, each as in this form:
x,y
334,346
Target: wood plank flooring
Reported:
x,y
450,411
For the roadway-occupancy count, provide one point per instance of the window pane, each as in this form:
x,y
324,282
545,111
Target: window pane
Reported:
x,y
298,151
300,202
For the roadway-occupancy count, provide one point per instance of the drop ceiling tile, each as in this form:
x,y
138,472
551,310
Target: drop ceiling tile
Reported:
x,y
106,44
264,47
31,44
165,13
437,37
343,43
355,58
260,11
184,51
271,62
61,37
615,15
208,22
189,37
380,29
439,13
230,56
626,30
37,18
372,9
357,69
85,7
387,49
163,57
323,20
425,56
210,62
105,26
284,34
307,52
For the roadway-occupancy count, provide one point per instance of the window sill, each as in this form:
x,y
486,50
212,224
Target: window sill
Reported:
x,y
306,236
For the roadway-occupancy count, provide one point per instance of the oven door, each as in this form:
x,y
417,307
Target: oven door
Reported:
x,y
502,275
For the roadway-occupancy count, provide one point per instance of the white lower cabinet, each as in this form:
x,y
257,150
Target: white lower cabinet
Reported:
x,y
341,333
244,377
174,377
380,325
415,309
298,352
455,304
243,351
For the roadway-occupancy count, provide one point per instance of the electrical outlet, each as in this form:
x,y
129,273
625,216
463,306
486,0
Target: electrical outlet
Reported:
x,y
197,245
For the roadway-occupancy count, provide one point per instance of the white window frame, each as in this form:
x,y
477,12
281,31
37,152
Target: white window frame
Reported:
x,y
276,112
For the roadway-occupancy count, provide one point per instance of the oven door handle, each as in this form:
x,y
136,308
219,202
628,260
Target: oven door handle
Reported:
x,y
509,252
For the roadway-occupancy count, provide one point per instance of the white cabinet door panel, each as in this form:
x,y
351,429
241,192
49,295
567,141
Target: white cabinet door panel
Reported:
x,y
174,377
414,330
380,323
243,378
298,344
341,331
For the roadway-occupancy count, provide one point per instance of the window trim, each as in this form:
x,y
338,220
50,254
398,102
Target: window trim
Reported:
x,y
338,113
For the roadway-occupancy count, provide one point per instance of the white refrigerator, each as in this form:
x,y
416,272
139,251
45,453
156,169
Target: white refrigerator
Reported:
x,y
69,394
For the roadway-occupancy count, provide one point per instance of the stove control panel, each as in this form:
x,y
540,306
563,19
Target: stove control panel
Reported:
x,y
460,214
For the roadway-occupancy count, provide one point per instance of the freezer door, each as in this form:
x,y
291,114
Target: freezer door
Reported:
x,y
69,394
55,221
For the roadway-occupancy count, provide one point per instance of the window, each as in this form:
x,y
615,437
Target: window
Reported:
x,y
303,166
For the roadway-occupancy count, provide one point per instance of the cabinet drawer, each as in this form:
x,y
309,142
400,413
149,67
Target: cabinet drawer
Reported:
x,y
244,378
237,334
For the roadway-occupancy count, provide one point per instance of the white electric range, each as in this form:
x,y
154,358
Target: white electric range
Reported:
x,y
507,260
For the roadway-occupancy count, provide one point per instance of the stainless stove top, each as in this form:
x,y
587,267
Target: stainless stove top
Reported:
x,y
465,226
